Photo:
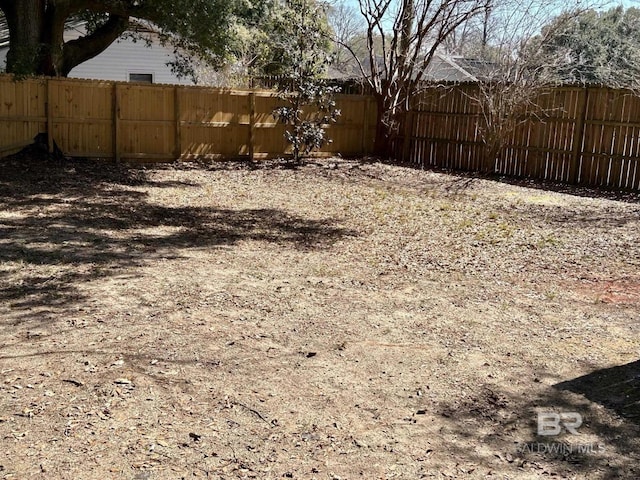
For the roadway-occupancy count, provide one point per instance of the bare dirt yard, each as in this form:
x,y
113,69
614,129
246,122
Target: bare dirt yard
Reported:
x,y
340,320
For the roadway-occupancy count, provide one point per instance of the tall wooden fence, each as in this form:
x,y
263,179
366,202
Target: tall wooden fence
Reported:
x,y
578,135
162,122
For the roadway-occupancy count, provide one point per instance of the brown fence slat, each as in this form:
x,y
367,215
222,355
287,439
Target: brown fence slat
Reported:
x,y
25,101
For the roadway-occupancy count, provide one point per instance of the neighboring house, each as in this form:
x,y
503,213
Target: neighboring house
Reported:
x,y
124,60
460,69
4,42
443,68
447,68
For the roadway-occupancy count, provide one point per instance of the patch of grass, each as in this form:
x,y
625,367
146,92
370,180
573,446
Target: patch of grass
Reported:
x,y
445,206
551,295
548,241
466,223
495,233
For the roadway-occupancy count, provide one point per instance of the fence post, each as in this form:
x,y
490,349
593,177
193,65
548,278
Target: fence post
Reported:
x,y
252,124
49,118
178,117
578,135
116,123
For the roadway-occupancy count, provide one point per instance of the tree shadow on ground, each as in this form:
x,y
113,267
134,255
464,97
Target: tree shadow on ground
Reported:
x,y
568,217
616,388
246,164
606,215
64,223
505,424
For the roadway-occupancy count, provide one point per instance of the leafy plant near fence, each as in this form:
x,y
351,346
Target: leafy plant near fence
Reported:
x,y
310,105
307,130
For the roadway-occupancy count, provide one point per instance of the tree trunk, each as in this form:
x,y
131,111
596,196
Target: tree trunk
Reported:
x,y
36,38
382,140
491,151
25,19
52,39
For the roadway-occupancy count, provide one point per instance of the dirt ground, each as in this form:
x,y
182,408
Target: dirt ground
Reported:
x,y
341,320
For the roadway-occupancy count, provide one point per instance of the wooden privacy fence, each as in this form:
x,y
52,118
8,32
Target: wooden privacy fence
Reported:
x,y
578,135
162,122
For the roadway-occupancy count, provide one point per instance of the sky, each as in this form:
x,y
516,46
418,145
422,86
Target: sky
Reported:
x,y
606,5
597,4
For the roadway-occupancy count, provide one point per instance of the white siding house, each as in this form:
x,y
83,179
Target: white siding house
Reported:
x,y
124,60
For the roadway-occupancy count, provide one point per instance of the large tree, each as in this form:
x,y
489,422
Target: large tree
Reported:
x,y
401,39
36,29
597,47
262,33
278,45
510,43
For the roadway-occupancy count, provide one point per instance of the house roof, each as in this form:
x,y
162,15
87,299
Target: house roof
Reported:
x,y
447,68
457,68
443,67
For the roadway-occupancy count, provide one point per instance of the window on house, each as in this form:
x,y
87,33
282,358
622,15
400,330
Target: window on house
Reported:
x,y
141,77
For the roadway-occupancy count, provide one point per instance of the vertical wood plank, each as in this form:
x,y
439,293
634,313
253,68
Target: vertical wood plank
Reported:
x,y
116,123
50,140
365,126
406,137
252,125
178,119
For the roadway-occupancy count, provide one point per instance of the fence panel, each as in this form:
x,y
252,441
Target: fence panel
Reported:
x,y
612,133
582,135
353,131
146,120
269,135
81,117
214,123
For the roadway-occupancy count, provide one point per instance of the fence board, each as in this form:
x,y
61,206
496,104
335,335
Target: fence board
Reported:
x,y
81,117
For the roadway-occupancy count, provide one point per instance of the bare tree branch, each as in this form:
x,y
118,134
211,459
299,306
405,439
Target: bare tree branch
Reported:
x,y
518,73
409,32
